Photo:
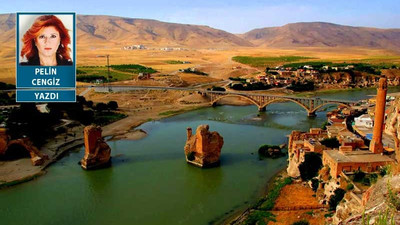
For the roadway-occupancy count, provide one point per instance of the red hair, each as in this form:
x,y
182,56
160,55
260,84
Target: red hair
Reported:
x,y
29,48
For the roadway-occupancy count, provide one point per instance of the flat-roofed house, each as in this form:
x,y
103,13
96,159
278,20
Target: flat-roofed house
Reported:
x,y
350,161
364,120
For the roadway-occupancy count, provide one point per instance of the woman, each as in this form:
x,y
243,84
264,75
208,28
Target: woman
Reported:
x,y
46,43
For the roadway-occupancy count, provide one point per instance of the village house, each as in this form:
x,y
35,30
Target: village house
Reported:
x,y
350,161
305,142
347,160
364,120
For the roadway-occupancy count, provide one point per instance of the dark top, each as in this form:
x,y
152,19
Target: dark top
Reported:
x,y
35,61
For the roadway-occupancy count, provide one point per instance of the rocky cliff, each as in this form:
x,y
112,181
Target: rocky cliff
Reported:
x,y
392,126
381,199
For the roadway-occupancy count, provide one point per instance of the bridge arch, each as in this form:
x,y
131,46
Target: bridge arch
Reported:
x,y
329,103
285,99
235,95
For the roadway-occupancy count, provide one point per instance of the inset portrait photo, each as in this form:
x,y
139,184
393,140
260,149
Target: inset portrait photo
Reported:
x,y
45,39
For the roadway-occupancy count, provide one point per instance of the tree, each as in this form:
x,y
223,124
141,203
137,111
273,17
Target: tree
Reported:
x,y
101,107
311,165
113,105
336,198
331,142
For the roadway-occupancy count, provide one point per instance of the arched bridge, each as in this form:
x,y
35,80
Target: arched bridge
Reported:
x,y
311,105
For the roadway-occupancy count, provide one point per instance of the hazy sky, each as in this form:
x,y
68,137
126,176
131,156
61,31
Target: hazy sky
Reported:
x,y
236,16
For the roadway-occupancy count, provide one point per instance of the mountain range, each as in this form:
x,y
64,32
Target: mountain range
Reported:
x,y
111,30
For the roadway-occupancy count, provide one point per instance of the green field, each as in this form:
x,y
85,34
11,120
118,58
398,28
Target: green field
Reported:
x,y
117,72
267,61
174,62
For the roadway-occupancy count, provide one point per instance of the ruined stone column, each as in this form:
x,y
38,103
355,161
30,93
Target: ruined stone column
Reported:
x,y
204,148
97,152
189,133
376,145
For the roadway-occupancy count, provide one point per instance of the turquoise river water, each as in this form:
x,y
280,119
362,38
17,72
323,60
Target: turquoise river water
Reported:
x,y
150,182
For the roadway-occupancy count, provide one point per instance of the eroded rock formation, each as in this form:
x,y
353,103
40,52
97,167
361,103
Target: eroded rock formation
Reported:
x,y
97,151
379,199
37,158
204,148
393,125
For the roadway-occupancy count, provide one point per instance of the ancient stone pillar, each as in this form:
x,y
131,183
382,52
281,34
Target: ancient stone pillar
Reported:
x,y
189,133
97,152
204,148
376,145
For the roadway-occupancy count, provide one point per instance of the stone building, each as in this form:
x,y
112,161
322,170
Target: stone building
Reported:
x,y
347,160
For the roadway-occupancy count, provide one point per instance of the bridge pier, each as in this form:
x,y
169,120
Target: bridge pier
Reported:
x,y
262,109
311,114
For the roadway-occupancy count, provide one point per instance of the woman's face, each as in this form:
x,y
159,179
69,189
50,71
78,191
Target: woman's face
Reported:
x,y
47,41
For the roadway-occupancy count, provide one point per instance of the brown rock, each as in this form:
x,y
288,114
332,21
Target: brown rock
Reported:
x,y
204,148
37,158
3,141
97,152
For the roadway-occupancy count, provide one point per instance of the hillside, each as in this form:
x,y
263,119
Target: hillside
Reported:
x,y
318,34
127,31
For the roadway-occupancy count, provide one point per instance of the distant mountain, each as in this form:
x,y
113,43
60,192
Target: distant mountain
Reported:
x,y
317,34
119,31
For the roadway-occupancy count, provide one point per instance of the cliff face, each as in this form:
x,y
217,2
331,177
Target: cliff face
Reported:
x,y
380,199
393,125
204,148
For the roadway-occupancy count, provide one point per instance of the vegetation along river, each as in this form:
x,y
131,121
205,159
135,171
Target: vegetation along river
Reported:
x,y
150,182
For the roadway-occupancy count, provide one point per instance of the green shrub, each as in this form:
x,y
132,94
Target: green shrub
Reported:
x,y
218,88
133,68
113,105
302,86
311,165
314,184
350,187
373,178
331,142
336,198
301,222
358,176
260,218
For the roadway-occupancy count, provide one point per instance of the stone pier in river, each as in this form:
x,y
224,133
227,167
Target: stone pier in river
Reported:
x,y
97,151
204,148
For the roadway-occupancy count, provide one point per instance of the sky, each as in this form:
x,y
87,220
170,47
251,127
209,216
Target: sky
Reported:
x,y
235,16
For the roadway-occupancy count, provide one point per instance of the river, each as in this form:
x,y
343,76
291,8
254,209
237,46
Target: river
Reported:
x,y
150,182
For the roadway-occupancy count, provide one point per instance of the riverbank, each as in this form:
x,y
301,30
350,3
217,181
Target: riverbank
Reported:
x,y
240,215
296,202
21,170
